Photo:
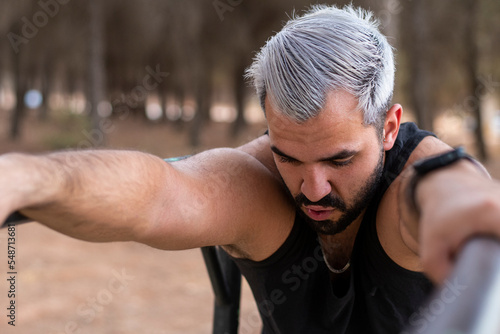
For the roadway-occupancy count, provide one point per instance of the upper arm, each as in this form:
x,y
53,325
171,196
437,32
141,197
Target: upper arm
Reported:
x,y
395,234
428,147
218,197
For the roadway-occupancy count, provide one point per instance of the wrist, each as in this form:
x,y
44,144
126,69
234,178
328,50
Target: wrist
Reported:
x,y
27,181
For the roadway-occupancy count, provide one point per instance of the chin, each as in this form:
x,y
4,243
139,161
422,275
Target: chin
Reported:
x,y
331,226
326,227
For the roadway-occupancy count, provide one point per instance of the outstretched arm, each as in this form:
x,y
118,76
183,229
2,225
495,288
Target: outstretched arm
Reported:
x,y
121,195
91,195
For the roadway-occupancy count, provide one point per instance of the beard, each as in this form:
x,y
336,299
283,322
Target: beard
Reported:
x,y
349,212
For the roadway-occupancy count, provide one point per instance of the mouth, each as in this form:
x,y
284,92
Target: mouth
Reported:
x,y
318,212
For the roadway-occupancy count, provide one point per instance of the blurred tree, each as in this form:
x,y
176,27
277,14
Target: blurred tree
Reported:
x,y
200,37
488,27
475,86
20,31
20,87
418,29
47,78
96,70
206,48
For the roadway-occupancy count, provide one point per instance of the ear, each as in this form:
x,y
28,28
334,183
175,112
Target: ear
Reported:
x,y
391,126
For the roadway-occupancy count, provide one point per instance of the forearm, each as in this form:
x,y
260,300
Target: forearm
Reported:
x,y
90,195
431,191
453,204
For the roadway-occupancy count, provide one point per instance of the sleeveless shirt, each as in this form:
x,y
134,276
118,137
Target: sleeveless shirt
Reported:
x,y
293,289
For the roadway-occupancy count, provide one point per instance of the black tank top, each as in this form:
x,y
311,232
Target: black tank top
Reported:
x,y
293,289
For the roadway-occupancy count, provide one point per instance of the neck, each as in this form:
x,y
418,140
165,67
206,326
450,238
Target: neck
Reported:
x,y
338,248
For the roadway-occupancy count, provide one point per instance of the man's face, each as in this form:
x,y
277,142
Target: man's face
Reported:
x,y
331,164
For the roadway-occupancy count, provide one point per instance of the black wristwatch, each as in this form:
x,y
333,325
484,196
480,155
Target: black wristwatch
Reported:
x,y
423,167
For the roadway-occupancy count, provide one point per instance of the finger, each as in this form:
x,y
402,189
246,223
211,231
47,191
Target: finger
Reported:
x,y
437,260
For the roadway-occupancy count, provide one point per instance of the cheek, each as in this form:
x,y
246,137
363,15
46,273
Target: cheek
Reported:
x,y
345,182
291,177
349,182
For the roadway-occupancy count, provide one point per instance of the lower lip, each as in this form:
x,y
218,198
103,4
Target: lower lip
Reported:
x,y
319,215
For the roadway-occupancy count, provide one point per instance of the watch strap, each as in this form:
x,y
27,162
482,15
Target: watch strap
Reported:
x,y
425,166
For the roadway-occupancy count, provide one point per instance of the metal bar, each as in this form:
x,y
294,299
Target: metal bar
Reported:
x,y
226,317
216,276
469,300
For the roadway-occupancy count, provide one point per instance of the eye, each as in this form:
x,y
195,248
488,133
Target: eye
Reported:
x,y
341,162
283,159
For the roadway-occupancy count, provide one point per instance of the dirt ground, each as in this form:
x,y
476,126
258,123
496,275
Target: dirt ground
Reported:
x,y
70,286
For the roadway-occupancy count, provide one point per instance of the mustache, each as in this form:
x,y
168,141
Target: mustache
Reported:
x,y
329,201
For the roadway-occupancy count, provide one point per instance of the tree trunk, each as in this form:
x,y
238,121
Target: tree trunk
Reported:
x,y
419,68
17,113
474,84
162,101
240,89
203,103
179,97
96,74
19,110
47,80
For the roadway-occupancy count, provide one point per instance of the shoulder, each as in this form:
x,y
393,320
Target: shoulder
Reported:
x,y
388,218
226,166
247,207
260,149
429,146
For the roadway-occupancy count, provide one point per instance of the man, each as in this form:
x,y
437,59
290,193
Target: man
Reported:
x,y
321,215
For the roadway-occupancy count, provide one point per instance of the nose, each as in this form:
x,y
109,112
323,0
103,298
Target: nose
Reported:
x,y
315,184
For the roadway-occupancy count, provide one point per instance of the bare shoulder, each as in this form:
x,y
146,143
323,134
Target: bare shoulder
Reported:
x,y
260,149
241,203
389,230
227,165
428,147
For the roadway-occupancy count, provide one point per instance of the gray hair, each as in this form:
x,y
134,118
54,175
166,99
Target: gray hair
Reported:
x,y
326,49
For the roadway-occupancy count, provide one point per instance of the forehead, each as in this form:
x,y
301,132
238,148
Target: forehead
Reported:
x,y
338,126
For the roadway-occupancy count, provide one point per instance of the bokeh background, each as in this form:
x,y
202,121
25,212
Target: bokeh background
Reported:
x,y
166,77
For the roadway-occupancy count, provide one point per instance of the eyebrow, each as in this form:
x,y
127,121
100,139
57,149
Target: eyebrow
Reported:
x,y
337,156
